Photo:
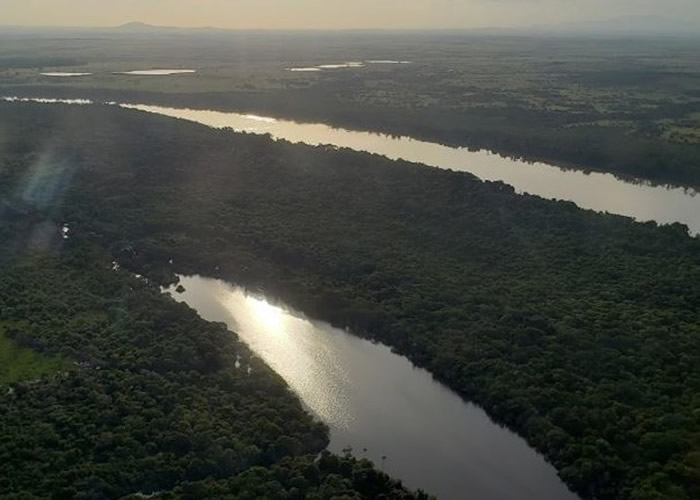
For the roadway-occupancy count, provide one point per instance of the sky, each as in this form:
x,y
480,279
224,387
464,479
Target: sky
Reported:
x,y
340,14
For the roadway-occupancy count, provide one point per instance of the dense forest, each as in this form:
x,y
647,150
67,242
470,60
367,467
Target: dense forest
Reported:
x,y
113,390
578,330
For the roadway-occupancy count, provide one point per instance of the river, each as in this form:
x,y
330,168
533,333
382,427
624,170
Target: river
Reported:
x,y
373,400
596,191
591,190
379,404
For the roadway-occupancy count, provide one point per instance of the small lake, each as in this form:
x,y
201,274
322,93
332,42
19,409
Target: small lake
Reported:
x,y
376,400
156,72
322,67
345,65
61,74
47,100
386,61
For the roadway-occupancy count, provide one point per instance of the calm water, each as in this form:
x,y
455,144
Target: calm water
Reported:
x,y
61,74
350,64
387,61
311,69
596,191
47,100
156,72
374,399
321,67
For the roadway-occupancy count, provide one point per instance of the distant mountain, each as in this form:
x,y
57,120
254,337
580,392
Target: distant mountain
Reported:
x,y
136,26
641,26
139,27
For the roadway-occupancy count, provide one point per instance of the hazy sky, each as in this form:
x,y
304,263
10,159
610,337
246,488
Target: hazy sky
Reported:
x,y
320,14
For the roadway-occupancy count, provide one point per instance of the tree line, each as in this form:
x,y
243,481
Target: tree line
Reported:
x,y
578,330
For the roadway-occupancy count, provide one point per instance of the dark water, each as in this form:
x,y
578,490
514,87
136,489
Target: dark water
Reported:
x,y
375,400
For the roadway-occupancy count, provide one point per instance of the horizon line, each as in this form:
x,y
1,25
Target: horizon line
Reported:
x,y
531,29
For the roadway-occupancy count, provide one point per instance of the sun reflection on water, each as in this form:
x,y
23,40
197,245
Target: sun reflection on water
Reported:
x,y
268,315
300,351
371,398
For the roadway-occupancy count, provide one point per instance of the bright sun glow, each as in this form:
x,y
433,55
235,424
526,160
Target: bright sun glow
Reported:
x,y
268,315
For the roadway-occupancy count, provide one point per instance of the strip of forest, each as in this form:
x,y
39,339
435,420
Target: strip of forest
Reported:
x,y
578,330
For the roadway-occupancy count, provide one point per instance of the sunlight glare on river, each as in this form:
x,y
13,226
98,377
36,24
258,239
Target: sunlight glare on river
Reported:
x,y
379,404
597,191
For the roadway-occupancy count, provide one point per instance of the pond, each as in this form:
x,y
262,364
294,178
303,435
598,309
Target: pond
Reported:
x,y
156,72
62,74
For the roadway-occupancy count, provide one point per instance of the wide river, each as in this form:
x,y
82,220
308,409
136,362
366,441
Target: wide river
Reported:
x,y
596,191
593,190
379,404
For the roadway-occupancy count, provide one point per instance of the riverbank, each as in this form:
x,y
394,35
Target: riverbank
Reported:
x,y
575,329
595,191
151,400
378,404
589,147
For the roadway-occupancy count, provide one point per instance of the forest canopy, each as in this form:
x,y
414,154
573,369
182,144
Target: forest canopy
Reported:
x,y
113,390
578,330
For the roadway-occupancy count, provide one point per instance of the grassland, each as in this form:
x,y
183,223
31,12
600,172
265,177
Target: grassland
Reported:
x,y
20,363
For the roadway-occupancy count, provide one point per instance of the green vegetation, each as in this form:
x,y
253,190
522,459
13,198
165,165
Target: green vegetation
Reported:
x,y
329,477
579,330
158,401
18,363
627,106
155,403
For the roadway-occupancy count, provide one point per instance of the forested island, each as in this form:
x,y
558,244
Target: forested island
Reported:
x,y
578,330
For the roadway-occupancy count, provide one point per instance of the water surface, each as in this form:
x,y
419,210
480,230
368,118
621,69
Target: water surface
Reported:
x,y
322,67
156,72
387,61
61,74
375,400
312,69
47,100
351,64
597,191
